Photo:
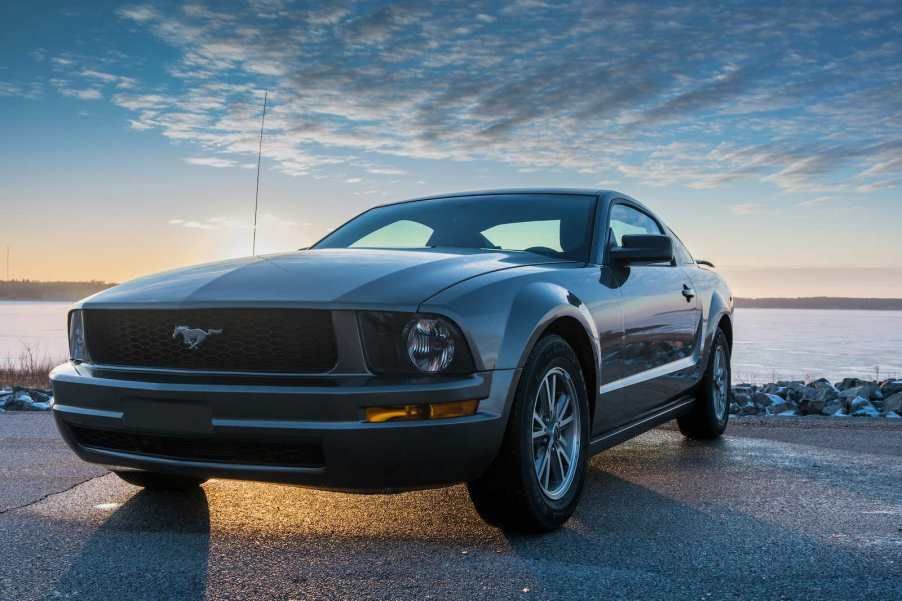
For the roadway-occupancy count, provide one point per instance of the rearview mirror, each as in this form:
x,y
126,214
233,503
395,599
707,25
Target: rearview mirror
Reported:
x,y
643,249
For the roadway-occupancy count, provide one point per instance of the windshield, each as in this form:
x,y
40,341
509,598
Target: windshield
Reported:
x,y
557,225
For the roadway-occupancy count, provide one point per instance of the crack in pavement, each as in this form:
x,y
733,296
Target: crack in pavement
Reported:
x,y
46,496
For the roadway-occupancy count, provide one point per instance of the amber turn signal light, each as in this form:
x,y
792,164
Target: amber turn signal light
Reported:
x,y
423,411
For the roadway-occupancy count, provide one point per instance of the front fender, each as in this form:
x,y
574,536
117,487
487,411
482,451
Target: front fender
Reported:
x,y
535,308
503,314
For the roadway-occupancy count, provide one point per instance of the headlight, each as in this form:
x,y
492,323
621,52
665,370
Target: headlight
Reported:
x,y
78,349
413,343
430,344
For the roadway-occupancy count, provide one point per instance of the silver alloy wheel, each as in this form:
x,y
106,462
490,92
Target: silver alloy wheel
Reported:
x,y
721,382
556,433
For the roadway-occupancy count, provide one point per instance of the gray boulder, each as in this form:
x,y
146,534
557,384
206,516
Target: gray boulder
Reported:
x,y
893,403
825,395
872,391
772,404
869,391
862,407
891,387
849,383
812,406
775,389
749,409
833,407
742,398
25,399
825,389
744,388
799,392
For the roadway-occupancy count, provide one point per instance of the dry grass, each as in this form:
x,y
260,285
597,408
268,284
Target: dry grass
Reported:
x,y
28,369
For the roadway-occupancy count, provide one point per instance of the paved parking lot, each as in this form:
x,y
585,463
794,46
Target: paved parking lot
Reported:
x,y
766,513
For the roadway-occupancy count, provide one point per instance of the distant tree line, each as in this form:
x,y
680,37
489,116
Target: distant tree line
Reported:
x,y
823,302
49,291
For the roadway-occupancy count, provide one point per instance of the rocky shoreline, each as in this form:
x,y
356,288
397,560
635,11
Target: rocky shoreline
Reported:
x,y
850,397
20,398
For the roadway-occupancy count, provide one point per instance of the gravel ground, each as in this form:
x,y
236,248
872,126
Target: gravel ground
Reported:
x,y
773,511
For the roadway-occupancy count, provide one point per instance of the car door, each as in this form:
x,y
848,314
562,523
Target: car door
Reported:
x,y
661,320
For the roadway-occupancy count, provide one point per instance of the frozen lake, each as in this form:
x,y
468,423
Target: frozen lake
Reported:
x,y
770,343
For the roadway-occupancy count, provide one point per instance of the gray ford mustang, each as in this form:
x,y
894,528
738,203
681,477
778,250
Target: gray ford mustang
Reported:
x,y
495,338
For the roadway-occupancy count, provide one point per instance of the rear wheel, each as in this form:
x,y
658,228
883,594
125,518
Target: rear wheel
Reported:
x,y
711,410
158,481
537,478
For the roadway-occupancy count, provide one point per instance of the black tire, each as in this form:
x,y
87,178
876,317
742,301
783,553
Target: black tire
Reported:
x,y
509,495
158,481
706,422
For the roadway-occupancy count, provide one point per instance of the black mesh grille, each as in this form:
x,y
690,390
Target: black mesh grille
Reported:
x,y
289,454
251,340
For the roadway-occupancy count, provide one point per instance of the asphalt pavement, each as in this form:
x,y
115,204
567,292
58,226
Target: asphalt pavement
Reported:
x,y
778,509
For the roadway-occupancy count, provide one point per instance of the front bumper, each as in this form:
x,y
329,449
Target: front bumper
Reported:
x,y
228,430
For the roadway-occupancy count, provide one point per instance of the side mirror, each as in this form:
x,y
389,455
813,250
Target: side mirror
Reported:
x,y
643,249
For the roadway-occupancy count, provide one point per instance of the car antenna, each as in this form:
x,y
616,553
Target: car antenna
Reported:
x,y
257,192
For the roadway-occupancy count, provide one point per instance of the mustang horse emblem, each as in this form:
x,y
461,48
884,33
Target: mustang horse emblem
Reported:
x,y
192,337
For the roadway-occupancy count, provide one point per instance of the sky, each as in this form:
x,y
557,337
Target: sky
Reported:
x,y
768,135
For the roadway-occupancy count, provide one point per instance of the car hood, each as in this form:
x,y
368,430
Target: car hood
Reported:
x,y
397,279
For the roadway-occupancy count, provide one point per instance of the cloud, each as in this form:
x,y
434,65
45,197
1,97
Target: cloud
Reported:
x,y
815,202
192,225
8,89
211,162
265,220
84,94
385,171
795,97
140,14
881,185
30,90
109,78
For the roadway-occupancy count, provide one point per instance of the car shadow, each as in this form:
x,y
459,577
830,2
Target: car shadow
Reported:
x,y
639,542
169,558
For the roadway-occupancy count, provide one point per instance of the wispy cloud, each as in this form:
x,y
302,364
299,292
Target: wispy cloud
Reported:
x,y
385,171
81,94
816,202
807,97
193,225
109,78
265,220
211,162
8,89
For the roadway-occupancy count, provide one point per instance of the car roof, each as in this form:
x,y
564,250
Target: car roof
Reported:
x,y
605,195
497,191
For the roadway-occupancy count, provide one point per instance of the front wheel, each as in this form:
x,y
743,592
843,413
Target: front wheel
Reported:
x,y
537,478
710,413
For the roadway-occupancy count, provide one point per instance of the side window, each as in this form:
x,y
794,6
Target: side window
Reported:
x,y
683,257
626,221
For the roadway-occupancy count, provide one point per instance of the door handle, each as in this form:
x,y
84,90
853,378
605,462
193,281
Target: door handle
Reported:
x,y
688,292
